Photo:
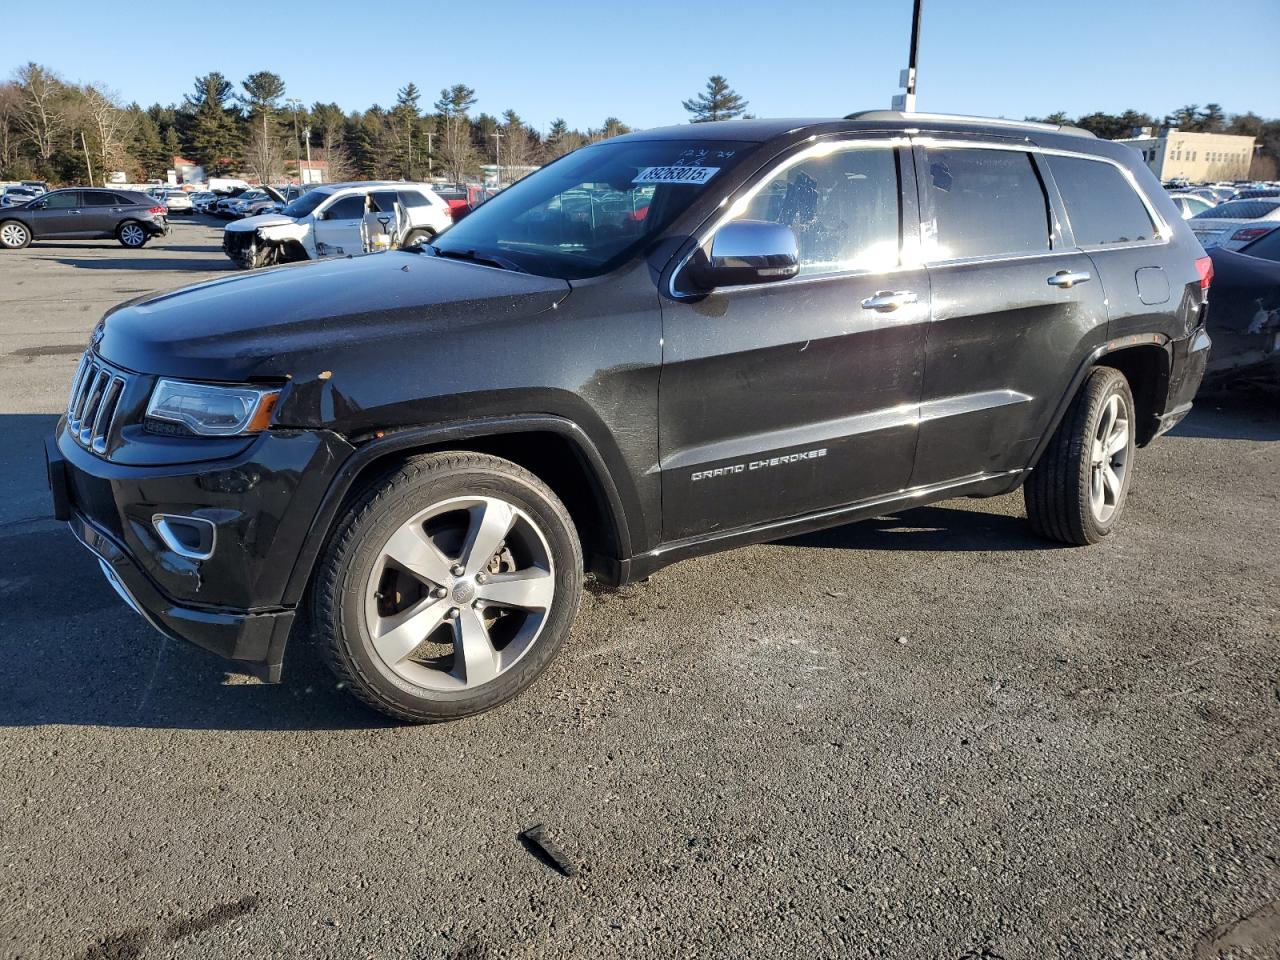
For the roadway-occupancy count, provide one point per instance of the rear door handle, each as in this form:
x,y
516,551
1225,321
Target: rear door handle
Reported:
x,y
886,301
1066,280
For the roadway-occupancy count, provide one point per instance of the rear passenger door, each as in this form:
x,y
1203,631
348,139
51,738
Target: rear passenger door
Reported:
x,y
101,212
1015,308
1113,225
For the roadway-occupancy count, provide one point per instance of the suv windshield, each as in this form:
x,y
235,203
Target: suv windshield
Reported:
x,y
590,211
304,204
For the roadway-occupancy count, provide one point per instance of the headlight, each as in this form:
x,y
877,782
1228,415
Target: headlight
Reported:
x,y
213,411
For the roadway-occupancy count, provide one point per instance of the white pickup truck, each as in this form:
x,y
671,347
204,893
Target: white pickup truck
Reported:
x,y
336,220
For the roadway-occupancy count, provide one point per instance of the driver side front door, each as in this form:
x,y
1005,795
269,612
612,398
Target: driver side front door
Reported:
x,y
336,232
59,216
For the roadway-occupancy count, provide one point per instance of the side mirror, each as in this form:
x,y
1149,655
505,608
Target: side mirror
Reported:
x,y
745,252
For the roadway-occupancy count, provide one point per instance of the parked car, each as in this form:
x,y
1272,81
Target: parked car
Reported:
x,y
1255,193
176,201
222,206
131,218
1244,311
266,200
420,454
331,221
1236,222
1190,204
202,200
36,186
17,196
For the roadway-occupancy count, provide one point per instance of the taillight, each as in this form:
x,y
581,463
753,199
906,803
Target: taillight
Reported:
x,y
1204,266
1250,233
157,210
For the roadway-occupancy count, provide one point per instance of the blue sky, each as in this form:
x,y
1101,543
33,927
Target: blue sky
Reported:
x,y
637,61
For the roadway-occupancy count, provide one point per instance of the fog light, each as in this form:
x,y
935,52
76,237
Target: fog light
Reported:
x,y
190,537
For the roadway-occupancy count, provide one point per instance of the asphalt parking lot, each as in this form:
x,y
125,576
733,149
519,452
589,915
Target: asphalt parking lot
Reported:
x,y
927,736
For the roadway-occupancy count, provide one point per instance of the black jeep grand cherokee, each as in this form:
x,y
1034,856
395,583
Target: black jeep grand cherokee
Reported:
x,y
667,344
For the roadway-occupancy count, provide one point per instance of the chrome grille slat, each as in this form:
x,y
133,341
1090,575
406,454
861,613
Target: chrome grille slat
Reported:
x,y
96,392
91,405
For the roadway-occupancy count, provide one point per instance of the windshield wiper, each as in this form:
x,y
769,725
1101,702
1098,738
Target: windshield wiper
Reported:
x,y
473,257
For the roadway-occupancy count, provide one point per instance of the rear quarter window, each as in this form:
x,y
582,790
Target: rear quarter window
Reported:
x,y
984,203
1102,205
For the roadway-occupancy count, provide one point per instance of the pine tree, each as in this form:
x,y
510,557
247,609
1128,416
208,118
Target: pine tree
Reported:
x,y
719,102
215,134
407,118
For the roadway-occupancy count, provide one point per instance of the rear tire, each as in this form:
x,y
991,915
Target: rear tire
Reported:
x,y
131,235
448,587
14,234
417,236
1077,491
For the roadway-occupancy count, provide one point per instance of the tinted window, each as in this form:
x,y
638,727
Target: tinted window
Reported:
x,y
384,201
984,203
1101,203
63,200
1267,246
412,198
1239,210
99,198
843,209
348,208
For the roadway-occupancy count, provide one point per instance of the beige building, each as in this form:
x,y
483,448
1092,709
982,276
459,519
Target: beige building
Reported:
x,y
1198,157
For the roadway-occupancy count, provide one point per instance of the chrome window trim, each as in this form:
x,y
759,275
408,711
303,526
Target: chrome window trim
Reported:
x,y
820,149
1164,233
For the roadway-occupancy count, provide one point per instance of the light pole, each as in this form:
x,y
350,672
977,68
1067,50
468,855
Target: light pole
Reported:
x,y
497,155
430,149
306,136
906,102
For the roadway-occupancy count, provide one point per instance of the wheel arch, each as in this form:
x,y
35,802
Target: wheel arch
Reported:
x,y
1145,361
554,449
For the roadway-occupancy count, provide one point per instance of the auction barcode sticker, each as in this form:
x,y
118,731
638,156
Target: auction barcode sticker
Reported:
x,y
676,174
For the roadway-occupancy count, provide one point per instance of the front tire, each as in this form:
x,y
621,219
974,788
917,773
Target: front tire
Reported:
x,y
14,235
448,587
417,236
1077,491
131,235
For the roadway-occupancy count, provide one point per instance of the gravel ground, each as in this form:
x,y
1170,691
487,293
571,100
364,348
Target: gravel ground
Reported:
x,y
926,736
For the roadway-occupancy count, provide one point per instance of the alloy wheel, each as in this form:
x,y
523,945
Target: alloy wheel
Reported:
x,y
13,235
131,235
1109,459
459,593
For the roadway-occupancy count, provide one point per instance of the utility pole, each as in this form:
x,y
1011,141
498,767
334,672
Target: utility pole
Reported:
x,y
306,133
295,103
906,102
430,149
497,155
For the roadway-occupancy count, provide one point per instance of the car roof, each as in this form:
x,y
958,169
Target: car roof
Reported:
x,y
759,131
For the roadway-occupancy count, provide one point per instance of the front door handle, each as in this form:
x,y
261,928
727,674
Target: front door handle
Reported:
x,y
1065,279
886,301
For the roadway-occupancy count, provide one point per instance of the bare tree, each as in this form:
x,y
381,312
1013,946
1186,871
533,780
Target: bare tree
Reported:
x,y
456,151
10,109
263,157
43,115
111,127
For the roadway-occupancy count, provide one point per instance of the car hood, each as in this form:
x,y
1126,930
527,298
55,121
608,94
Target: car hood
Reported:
x,y
261,220
301,320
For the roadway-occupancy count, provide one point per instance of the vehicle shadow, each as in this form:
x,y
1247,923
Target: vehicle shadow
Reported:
x,y
151,263
72,653
935,528
1246,412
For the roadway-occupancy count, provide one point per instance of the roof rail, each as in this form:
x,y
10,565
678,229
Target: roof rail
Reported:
x,y
960,118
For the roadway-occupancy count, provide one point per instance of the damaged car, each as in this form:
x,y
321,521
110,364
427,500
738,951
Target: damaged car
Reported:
x,y
1244,311
338,220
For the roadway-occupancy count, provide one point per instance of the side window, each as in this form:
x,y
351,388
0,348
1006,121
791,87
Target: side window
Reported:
x,y
983,203
1101,203
842,207
348,208
384,201
412,198
63,200
99,198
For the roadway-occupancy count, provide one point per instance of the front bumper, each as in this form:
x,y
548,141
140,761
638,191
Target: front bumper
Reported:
x,y
262,502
